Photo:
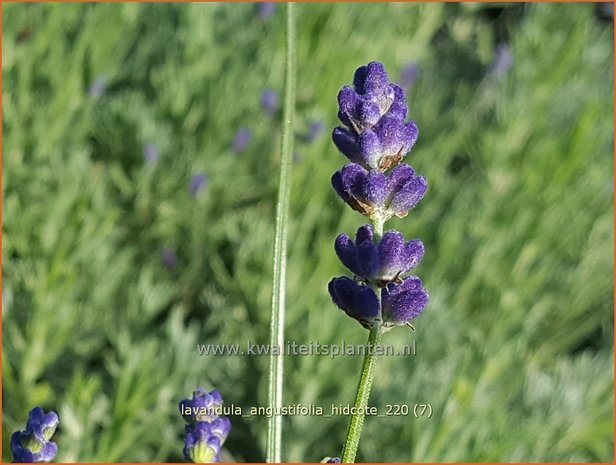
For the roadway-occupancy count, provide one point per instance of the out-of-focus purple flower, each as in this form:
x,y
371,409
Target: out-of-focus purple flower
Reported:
x,y
265,10
98,87
409,75
356,300
206,430
331,460
403,302
376,135
33,444
169,259
314,131
503,61
241,140
197,184
269,101
150,153
378,195
382,262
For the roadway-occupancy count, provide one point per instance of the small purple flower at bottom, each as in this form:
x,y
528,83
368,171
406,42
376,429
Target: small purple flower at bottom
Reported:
x,y
331,460
356,300
197,183
403,302
206,430
34,445
203,441
382,262
241,140
202,406
379,195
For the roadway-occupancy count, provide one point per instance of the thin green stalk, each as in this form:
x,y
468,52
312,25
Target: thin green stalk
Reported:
x,y
274,425
366,378
361,399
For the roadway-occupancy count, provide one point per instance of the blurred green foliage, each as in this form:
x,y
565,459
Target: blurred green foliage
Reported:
x,y
515,351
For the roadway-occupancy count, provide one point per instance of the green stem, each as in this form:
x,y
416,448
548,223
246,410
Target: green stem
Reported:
x,y
361,399
366,378
275,388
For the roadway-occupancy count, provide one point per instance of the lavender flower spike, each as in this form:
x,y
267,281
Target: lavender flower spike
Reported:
x,y
376,135
382,262
206,430
33,445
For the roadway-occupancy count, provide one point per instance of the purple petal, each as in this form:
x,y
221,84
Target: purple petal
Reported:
x,y
405,198
347,253
403,302
355,300
374,189
346,142
364,233
370,148
397,256
348,102
369,114
399,108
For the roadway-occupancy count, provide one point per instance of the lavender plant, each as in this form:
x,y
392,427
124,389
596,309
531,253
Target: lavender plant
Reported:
x,y
34,443
380,296
206,430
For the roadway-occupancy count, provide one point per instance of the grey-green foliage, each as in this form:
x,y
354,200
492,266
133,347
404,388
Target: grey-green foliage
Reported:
x,y
514,352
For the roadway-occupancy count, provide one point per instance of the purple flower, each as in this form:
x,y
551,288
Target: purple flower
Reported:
x,y
382,262
314,131
376,135
269,101
202,406
169,259
241,140
206,430
98,87
265,10
331,460
34,445
356,300
150,153
197,183
409,75
403,302
379,195
503,61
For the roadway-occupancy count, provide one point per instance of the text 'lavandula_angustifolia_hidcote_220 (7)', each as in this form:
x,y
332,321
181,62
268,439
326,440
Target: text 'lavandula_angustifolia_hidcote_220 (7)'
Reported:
x,y
381,295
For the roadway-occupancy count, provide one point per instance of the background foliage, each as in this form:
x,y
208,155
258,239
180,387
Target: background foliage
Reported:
x,y
515,350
